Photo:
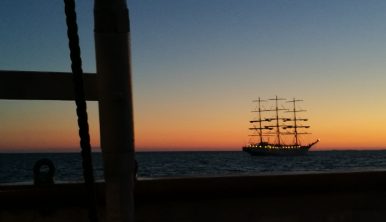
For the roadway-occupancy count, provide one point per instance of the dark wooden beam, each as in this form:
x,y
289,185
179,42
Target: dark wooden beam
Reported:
x,y
26,85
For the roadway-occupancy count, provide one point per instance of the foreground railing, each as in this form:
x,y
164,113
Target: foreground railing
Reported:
x,y
353,196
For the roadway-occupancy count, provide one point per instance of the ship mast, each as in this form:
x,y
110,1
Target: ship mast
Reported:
x,y
295,125
260,124
260,129
277,109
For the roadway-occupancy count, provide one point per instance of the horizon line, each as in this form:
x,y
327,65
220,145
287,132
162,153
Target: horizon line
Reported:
x,y
98,150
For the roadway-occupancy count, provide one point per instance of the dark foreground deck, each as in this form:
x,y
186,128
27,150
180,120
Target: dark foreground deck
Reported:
x,y
329,197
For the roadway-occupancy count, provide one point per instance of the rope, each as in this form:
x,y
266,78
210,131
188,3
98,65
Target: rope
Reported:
x,y
81,108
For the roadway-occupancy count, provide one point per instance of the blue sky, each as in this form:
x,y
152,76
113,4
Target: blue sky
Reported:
x,y
197,65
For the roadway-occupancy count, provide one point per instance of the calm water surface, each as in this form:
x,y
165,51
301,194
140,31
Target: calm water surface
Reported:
x,y
18,167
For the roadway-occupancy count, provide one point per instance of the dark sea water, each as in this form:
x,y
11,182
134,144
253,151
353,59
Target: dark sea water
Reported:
x,y
18,167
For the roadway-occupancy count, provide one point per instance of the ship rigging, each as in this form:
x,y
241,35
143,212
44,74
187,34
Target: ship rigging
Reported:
x,y
278,126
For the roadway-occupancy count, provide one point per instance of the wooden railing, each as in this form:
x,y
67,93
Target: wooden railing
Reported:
x,y
27,85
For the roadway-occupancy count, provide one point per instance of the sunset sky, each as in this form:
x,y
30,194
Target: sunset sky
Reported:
x,y
198,64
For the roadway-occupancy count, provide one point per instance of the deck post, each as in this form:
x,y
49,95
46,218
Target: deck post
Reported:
x,y
112,48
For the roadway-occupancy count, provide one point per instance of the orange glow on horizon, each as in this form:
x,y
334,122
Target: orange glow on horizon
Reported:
x,y
33,128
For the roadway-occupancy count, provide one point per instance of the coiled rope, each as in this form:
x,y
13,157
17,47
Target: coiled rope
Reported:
x,y
81,108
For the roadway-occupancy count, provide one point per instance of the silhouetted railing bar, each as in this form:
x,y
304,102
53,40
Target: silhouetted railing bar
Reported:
x,y
31,85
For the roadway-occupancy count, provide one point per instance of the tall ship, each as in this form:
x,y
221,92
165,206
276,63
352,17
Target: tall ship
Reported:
x,y
278,133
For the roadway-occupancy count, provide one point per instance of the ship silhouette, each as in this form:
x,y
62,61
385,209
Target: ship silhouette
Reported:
x,y
277,126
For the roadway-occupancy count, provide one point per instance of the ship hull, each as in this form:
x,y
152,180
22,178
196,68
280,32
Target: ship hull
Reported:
x,y
264,151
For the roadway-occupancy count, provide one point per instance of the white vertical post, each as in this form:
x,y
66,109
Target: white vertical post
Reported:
x,y
115,106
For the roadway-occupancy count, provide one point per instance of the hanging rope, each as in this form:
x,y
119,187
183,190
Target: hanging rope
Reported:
x,y
81,108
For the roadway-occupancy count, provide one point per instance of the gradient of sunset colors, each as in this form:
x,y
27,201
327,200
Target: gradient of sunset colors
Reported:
x,y
198,64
